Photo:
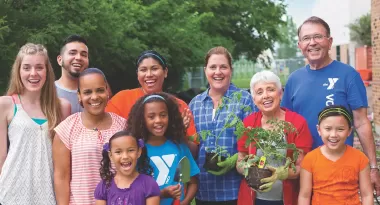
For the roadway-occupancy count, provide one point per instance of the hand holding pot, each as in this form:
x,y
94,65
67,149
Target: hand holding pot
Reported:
x,y
279,173
226,165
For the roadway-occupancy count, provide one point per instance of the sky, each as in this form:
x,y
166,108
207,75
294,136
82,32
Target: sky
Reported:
x,y
300,10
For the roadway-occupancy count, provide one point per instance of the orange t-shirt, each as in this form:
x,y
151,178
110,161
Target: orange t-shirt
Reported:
x,y
335,182
124,100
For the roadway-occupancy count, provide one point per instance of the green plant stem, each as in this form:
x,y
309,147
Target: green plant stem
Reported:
x,y
264,152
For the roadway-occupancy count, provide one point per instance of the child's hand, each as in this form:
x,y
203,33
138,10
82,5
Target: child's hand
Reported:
x,y
173,191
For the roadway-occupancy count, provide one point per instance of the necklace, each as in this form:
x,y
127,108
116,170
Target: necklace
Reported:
x,y
96,129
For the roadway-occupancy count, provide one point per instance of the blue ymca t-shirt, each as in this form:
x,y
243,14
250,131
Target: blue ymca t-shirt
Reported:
x,y
308,91
164,160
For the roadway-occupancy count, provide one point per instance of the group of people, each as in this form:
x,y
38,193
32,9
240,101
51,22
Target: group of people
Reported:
x,y
70,143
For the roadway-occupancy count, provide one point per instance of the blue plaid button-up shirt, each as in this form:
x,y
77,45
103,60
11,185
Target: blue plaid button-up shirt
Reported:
x,y
211,187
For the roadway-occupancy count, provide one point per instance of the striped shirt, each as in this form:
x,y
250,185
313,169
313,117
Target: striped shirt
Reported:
x,y
225,187
86,153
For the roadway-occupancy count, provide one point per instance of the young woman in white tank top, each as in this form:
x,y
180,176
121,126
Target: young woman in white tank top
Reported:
x,y
28,115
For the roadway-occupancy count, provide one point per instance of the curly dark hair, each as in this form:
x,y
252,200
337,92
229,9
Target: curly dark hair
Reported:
x,y
106,171
137,125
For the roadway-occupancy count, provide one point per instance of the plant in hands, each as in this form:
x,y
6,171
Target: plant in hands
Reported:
x,y
218,160
260,176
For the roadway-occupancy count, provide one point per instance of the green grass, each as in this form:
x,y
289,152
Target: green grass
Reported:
x,y
242,83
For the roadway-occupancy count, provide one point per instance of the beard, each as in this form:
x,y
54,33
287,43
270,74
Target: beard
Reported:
x,y
72,74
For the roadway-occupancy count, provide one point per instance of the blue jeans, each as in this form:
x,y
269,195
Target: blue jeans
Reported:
x,y
264,202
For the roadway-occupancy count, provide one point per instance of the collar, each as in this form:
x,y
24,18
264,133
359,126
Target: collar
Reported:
x,y
231,89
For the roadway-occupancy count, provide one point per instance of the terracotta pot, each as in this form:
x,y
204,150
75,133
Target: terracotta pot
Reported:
x,y
212,163
255,174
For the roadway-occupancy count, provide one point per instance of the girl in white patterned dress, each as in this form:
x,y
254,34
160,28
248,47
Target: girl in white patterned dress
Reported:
x,y
77,147
28,115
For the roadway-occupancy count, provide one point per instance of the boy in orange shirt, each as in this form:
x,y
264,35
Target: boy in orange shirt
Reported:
x,y
333,173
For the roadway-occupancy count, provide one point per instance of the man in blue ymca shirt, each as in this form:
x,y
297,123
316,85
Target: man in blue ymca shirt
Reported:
x,y
326,82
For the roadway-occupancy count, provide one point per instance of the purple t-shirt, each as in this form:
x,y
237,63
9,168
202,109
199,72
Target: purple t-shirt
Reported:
x,y
142,188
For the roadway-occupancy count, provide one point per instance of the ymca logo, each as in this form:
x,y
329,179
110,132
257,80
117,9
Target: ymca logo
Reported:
x,y
330,100
331,84
163,165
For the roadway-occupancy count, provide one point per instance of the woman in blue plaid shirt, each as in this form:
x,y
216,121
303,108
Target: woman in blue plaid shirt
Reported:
x,y
219,186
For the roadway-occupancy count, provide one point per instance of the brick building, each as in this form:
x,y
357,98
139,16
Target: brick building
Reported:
x,y
375,27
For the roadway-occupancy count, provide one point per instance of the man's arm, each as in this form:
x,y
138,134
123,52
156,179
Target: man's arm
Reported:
x,y
364,129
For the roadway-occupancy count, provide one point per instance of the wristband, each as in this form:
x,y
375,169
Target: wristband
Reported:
x,y
374,167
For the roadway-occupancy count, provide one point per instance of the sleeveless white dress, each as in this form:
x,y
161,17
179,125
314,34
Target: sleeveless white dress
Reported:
x,y
27,173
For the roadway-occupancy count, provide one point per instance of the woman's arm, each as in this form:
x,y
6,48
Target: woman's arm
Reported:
x,y
241,156
304,197
5,107
154,200
102,202
366,188
192,189
62,171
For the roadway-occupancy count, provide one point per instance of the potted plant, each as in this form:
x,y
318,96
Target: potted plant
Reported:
x,y
219,153
270,142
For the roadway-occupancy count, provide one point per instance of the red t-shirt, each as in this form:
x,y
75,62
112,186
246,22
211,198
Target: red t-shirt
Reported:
x,y
302,139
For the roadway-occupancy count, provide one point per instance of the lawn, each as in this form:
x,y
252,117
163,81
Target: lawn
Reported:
x,y
244,82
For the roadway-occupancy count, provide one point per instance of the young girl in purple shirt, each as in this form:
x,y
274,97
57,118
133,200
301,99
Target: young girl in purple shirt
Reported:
x,y
132,183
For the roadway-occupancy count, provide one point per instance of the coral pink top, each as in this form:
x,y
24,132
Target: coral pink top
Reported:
x,y
86,153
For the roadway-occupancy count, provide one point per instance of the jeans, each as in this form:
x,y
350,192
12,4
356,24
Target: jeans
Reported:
x,y
265,202
234,202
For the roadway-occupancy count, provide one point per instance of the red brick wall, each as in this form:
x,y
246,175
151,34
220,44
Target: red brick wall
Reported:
x,y
375,31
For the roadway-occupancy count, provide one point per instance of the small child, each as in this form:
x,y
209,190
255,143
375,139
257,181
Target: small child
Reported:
x,y
334,172
129,186
156,119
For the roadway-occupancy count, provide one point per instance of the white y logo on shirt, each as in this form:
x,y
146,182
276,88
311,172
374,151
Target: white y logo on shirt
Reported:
x,y
163,165
332,82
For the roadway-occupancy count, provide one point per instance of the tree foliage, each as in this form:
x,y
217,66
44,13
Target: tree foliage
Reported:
x,y
360,30
118,30
288,44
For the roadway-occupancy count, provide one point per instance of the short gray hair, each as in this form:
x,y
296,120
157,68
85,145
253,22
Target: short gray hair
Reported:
x,y
265,76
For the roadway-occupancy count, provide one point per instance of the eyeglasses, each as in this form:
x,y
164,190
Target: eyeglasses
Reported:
x,y
317,38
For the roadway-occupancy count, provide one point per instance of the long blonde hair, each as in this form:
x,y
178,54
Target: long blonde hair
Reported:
x,y
50,103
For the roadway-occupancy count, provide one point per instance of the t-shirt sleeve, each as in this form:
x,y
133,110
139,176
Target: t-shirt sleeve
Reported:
x,y
152,188
64,130
307,162
116,103
364,161
286,100
194,169
356,94
101,191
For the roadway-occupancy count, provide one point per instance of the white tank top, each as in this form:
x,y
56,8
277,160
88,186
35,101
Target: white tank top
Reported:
x,y
27,173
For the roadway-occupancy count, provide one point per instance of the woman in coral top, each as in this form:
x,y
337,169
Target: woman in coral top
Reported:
x,y
151,73
282,187
78,143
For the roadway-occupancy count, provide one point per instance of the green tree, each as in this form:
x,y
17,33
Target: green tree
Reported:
x,y
118,30
360,30
287,47
251,25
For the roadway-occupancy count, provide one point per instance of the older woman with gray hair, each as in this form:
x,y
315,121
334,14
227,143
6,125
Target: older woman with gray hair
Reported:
x,y
283,186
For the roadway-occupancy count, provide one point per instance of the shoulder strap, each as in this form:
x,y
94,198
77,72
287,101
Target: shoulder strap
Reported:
x,y
16,98
15,102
